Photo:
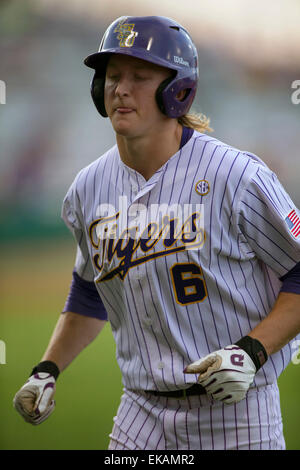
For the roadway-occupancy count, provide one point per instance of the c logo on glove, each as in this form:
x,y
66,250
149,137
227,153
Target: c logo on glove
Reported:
x,y
237,360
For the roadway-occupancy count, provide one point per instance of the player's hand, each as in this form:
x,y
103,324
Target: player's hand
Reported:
x,y
226,374
34,401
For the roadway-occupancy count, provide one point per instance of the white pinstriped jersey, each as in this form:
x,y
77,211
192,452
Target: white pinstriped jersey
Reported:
x,y
167,306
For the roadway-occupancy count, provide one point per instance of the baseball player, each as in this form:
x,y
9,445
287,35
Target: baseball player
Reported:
x,y
190,248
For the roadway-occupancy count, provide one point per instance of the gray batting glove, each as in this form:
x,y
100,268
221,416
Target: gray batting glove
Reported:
x,y
225,374
34,401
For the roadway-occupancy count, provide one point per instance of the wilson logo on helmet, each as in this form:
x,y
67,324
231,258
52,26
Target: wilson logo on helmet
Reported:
x,y
180,60
126,34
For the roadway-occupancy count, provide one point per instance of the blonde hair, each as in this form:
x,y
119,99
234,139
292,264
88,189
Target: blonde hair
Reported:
x,y
197,121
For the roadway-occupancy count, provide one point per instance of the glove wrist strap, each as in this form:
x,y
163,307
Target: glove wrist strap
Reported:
x,y
46,366
254,349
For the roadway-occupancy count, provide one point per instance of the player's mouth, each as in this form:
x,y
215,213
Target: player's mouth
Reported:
x,y
123,110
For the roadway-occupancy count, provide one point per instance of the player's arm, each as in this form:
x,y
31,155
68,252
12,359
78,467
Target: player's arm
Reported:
x,y
283,322
269,222
83,317
281,325
73,332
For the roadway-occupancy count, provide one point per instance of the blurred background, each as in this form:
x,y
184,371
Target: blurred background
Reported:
x,y
249,57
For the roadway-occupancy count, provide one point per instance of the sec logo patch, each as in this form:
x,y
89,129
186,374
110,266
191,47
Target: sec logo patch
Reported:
x,y
202,187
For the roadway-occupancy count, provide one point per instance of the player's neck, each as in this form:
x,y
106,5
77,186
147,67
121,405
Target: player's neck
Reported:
x,y
148,153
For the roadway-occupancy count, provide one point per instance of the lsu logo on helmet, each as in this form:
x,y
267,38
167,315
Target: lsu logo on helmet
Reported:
x,y
126,34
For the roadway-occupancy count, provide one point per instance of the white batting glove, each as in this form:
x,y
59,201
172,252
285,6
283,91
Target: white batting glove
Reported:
x,y
225,374
34,401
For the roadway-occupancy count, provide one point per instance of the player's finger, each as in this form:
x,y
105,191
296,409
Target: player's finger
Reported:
x,y
18,406
45,398
24,401
39,418
202,365
233,397
213,376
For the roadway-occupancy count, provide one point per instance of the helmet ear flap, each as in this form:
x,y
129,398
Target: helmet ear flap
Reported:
x,y
97,92
168,101
159,93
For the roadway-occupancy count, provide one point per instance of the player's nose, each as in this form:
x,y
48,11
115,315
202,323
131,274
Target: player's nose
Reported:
x,y
123,87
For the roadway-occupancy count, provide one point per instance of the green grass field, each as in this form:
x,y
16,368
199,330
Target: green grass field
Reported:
x,y
34,284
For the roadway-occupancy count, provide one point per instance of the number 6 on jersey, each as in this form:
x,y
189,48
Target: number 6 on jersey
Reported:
x,y
188,283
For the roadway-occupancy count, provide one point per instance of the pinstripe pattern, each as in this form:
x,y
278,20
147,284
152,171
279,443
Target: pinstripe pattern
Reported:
x,y
145,422
248,246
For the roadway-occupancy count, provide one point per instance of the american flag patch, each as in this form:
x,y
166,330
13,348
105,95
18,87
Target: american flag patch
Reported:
x,y
293,223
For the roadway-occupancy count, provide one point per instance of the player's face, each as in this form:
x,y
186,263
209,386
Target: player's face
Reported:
x,y
130,87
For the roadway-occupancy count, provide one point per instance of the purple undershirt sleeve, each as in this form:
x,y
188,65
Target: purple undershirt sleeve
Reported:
x,y
84,299
291,280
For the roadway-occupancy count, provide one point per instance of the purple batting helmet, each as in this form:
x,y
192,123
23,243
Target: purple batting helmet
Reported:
x,y
155,39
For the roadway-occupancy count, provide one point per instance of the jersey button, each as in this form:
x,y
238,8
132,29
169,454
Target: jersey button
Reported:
x,y
148,321
160,365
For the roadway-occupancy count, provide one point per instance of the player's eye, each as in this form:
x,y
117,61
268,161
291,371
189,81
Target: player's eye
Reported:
x,y
140,77
112,77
